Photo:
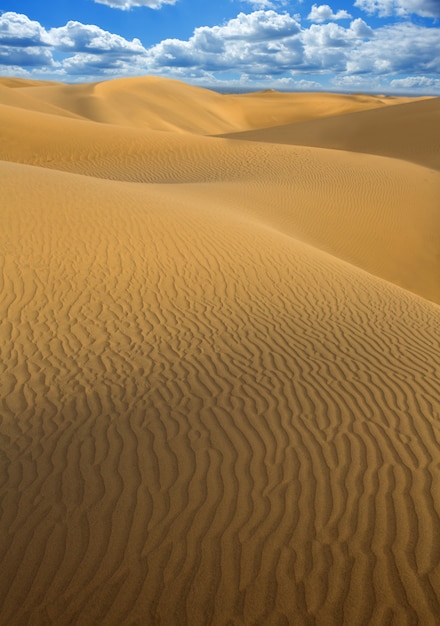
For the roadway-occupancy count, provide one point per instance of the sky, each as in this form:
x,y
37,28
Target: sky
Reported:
x,y
374,46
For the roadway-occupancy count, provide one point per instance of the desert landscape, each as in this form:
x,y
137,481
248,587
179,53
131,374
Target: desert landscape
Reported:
x,y
220,356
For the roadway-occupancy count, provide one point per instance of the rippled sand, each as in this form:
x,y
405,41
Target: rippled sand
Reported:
x,y
220,357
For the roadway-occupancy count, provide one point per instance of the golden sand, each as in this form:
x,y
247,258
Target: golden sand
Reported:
x,y
220,358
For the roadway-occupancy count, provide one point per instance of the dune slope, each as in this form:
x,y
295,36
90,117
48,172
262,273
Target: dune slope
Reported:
x,y
378,213
211,413
409,131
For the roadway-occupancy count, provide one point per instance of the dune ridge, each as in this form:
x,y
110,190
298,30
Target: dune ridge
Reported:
x,y
220,398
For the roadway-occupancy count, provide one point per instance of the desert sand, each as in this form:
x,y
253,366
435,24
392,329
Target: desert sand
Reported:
x,y
220,357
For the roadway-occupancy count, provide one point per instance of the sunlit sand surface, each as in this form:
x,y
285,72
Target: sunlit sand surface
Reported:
x,y
220,357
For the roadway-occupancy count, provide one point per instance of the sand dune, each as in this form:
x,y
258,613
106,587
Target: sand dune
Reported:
x,y
160,104
220,380
409,131
380,214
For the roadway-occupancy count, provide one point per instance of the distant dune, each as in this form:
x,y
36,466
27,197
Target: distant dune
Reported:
x,y
160,104
220,357
409,131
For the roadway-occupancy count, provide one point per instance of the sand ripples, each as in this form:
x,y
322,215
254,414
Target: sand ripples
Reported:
x,y
204,419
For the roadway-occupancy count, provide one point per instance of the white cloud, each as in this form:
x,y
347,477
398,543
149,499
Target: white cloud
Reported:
x,y
265,4
402,48
23,42
88,38
96,53
260,4
328,47
244,48
26,43
360,29
381,7
384,8
332,35
425,8
324,13
257,26
381,84
416,82
125,5
18,30
94,65
301,85
251,43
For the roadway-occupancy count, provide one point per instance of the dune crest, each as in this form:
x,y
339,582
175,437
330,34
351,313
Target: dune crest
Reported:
x,y
220,397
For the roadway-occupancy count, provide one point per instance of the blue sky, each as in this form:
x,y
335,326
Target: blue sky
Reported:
x,y
390,46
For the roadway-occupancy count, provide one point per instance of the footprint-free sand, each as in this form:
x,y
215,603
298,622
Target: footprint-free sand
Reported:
x,y
220,357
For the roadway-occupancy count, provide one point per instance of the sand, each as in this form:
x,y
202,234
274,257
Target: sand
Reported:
x,y
220,357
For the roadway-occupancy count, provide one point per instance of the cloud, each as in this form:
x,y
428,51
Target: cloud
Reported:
x,y
23,42
385,8
332,35
89,38
324,13
26,43
252,46
26,57
382,7
265,4
260,48
257,26
248,43
301,85
355,82
402,48
96,52
95,65
18,30
416,82
125,5
425,8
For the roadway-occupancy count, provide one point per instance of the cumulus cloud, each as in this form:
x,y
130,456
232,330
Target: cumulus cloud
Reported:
x,y
324,13
129,4
253,43
18,30
26,43
397,49
257,26
96,65
96,52
385,8
334,36
78,37
23,42
325,47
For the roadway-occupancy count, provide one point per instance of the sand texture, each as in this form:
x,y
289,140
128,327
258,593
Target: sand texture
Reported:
x,y
220,357
409,132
